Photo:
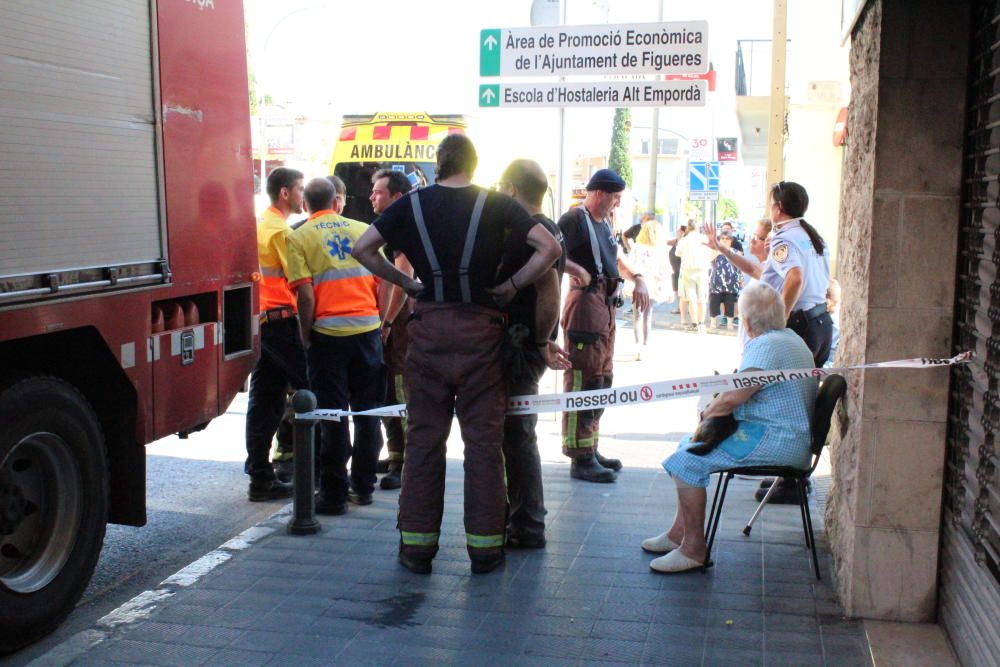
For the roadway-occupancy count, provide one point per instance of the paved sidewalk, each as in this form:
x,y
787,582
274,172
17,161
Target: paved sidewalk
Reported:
x,y
339,597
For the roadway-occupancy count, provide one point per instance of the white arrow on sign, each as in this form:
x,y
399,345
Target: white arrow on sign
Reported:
x,y
490,42
488,95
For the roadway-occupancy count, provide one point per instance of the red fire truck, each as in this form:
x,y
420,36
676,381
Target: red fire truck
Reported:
x,y
127,267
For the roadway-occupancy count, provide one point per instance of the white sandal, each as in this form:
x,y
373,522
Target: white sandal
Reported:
x,y
660,544
676,562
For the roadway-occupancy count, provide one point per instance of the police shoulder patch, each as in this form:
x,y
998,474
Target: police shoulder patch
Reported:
x,y
780,253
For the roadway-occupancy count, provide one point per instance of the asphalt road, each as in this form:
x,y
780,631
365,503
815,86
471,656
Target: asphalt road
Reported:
x,y
196,500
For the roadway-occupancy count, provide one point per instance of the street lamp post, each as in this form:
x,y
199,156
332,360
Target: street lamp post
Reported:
x,y
654,145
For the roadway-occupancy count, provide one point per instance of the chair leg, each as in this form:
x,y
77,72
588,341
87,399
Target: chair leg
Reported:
x,y
718,515
799,491
760,508
807,525
715,501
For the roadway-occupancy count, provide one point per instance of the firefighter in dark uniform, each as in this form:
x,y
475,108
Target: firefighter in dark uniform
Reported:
x,y
798,268
533,322
387,187
282,361
454,235
589,318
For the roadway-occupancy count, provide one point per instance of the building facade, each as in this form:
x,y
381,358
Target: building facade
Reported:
x,y
914,510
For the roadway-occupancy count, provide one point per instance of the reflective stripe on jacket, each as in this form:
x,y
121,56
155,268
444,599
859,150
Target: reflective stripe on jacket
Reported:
x,y
319,252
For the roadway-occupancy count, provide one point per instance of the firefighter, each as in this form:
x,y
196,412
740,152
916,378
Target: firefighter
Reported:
x,y
282,359
339,320
533,318
454,233
387,187
589,318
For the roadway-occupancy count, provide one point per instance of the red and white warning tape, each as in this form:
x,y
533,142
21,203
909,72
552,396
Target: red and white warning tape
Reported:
x,y
664,390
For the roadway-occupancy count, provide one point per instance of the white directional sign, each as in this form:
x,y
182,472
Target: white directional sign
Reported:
x,y
637,48
594,94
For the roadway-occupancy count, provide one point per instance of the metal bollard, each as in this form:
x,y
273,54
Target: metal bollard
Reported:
x,y
303,520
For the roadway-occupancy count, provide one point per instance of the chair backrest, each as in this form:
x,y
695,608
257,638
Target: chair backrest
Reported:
x,y
831,390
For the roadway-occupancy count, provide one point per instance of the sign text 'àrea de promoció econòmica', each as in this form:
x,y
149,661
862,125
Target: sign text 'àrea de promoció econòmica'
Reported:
x,y
639,48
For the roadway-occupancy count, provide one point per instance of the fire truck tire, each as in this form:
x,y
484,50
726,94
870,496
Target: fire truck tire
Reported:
x,y
53,504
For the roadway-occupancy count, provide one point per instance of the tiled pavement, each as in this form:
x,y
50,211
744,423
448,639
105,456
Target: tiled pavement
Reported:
x,y
340,598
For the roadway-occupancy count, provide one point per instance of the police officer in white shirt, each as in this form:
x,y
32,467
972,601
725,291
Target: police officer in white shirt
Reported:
x,y
797,267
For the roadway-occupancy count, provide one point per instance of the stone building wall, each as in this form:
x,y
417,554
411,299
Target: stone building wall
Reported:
x,y
898,245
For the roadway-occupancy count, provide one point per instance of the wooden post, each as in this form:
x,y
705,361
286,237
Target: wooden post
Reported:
x,y
776,119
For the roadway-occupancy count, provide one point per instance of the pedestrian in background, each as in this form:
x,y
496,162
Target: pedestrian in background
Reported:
x,y
675,270
454,234
696,260
646,258
339,321
724,288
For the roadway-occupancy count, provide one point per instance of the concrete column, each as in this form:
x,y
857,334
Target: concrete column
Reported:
x,y
898,244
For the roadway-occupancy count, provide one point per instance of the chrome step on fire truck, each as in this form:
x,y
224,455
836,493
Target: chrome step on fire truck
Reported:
x,y
127,266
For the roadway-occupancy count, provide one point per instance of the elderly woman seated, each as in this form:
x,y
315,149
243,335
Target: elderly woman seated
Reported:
x,y
773,425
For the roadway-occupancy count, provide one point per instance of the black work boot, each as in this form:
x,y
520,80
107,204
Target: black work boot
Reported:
x,y
517,539
486,565
269,489
284,470
392,480
415,564
382,466
590,470
610,464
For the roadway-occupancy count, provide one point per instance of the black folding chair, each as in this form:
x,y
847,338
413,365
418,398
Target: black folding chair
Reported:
x,y
831,390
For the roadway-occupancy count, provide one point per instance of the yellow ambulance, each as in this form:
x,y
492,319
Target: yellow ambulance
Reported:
x,y
405,142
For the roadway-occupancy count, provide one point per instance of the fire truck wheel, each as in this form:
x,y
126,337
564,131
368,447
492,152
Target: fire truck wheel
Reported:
x,y
53,504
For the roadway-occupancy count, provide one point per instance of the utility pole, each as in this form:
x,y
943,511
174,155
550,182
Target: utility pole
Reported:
x,y
776,121
561,171
654,145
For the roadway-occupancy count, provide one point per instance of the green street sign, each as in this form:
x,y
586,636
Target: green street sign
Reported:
x,y
489,53
489,95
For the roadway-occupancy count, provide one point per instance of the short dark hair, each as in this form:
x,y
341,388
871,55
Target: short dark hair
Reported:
x,y
528,178
282,177
338,184
319,194
398,183
456,155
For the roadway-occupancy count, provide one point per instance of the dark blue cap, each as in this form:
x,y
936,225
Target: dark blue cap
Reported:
x,y
606,181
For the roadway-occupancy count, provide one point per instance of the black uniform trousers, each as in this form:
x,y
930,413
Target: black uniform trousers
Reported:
x,y
282,364
816,330
346,371
520,451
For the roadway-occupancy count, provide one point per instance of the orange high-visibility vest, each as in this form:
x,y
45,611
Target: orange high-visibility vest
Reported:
x,y
319,252
272,233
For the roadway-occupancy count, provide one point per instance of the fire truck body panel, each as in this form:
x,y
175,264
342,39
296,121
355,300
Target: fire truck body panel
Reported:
x,y
127,267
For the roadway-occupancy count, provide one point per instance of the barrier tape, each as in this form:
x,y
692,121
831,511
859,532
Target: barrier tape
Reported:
x,y
664,390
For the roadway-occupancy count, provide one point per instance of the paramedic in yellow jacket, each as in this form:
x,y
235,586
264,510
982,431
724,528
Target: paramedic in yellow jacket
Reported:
x,y
339,319
282,360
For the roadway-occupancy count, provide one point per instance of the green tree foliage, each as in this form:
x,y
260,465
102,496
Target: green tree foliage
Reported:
x,y
728,210
620,160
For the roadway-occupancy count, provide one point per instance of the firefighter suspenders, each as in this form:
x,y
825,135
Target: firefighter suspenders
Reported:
x,y
470,242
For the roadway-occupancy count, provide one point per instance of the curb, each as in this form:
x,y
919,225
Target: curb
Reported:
x,y
144,604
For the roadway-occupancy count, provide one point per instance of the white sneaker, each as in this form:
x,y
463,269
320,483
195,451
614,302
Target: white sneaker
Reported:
x,y
660,544
676,562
